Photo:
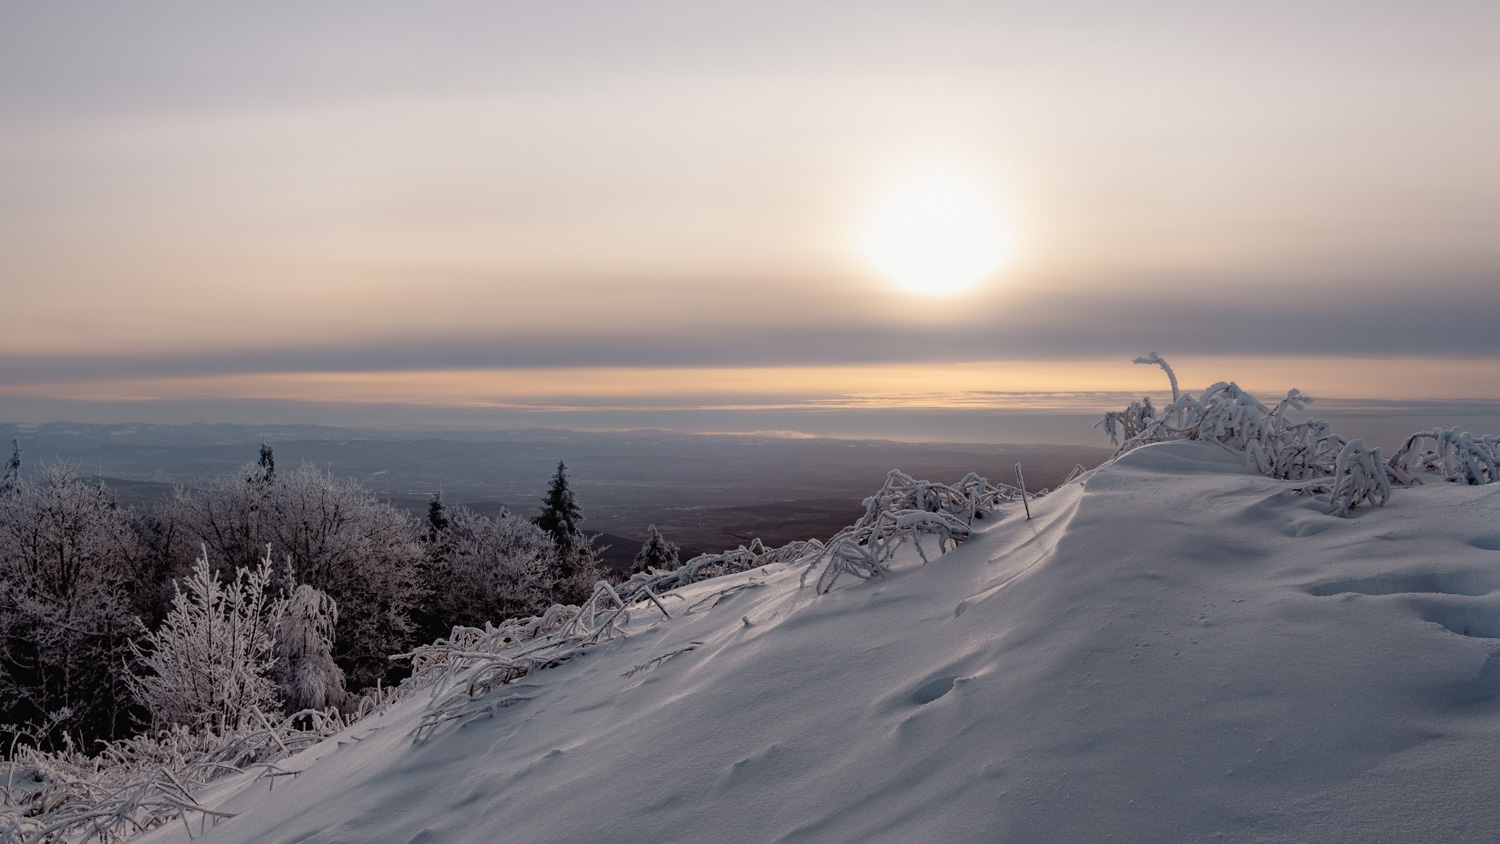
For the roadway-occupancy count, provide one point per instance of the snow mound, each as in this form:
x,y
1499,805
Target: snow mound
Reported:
x,y
1173,649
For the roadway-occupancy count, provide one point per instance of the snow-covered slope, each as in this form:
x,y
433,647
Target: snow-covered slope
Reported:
x,y
1171,650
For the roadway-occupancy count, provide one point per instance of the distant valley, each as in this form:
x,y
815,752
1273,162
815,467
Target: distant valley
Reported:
x,y
705,492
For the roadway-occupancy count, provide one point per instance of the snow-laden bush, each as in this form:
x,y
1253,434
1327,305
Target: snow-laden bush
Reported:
x,y
212,664
705,566
1359,477
306,675
1349,473
210,661
1447,455
904,510
137,784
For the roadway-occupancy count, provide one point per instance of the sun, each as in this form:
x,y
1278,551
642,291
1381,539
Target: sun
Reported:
x,y
936,234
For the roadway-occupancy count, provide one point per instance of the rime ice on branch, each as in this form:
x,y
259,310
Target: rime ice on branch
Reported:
x,y
1349,473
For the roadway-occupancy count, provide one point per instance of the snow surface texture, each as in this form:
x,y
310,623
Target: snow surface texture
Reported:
x,y
1173,649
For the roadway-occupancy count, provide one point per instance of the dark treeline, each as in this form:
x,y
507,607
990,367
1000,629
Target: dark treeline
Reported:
x,y
84,581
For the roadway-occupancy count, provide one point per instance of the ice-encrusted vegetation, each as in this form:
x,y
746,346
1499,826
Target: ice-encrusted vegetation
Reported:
x,y
1348,472
459,670
115,793
137,784
265,645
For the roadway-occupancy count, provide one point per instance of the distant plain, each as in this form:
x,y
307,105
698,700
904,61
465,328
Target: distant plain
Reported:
x,y
706,492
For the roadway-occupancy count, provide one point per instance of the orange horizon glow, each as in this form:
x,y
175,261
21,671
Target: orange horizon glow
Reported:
x,y
1034,385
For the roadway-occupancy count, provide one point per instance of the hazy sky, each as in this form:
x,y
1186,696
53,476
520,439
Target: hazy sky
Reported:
x,y
619,204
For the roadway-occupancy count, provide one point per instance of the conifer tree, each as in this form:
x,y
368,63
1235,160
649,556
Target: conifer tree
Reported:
x,y
267,462
12,469
657,553
560,513
577,562
437,517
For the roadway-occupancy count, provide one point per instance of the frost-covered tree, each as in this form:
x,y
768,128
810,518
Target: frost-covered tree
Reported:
x,y
163,551
342,541
210,661
65,605
656,553
306,675
227,514
493,569
363,553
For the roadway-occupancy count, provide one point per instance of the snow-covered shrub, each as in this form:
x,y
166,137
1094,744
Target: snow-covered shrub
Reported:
x,y
210,661
1155,359
306,675
137,784
904,510
1447,455
1348,472
705,566
1359,477
1129,423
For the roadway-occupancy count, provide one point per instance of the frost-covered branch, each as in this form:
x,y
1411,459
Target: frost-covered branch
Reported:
x,y
1154,358
142,783
904,510
1447,455
1350,473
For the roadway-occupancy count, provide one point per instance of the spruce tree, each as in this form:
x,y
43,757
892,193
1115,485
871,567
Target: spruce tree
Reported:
x,y
267,462
12,469
435,573
437,517
577,563
657,553
560,514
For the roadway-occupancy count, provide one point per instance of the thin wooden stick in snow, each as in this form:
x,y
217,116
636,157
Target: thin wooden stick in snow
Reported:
x,y
1021,482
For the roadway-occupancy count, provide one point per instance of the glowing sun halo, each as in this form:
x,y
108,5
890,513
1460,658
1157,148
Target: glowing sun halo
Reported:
x,y
936,235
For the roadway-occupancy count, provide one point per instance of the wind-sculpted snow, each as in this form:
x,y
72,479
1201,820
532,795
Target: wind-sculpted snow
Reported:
x,y
1175,648
476,661
458,674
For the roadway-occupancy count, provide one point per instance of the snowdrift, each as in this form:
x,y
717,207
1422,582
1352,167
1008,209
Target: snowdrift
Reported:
x,y
1172,649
